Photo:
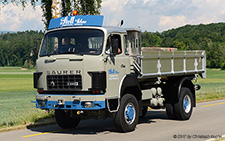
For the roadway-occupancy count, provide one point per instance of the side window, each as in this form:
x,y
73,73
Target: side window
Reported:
x,y
140,43
126,44
114,41
132,43
136,43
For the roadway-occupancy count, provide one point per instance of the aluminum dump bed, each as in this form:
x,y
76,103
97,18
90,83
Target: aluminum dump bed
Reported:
x,y
171,63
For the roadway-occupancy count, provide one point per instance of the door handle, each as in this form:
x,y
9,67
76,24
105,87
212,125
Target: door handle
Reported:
x,y
50,60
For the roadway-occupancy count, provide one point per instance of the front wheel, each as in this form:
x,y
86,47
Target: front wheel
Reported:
x,y
67,119
127,116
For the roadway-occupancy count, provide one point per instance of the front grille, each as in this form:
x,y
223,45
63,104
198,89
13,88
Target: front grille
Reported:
x,y
64,82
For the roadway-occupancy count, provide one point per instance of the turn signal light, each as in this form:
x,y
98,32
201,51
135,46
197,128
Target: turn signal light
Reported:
x,y
40,91
95,91
75,12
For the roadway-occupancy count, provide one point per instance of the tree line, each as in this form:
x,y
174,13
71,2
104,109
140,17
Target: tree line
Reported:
x,y
19,49
210,38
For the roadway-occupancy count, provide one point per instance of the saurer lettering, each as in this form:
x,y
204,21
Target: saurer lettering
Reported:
x,y
63,72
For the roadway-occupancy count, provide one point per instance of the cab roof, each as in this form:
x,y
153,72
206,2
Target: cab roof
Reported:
x,y
111,29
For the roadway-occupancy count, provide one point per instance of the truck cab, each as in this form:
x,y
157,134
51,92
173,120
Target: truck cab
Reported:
x,y
81,63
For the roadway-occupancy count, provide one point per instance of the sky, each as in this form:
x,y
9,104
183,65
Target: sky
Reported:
x,y
150,15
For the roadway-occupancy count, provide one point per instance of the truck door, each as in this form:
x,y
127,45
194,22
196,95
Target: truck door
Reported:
x,y
116,64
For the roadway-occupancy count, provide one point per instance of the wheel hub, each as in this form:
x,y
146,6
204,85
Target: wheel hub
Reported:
x,y
129,113
187,104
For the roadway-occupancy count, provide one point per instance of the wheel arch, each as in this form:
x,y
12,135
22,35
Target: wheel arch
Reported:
x,y
130,85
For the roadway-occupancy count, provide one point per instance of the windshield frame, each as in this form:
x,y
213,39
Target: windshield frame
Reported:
x,y
74,28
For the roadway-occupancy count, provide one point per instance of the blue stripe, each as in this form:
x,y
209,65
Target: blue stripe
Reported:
x,y
70,105
72,94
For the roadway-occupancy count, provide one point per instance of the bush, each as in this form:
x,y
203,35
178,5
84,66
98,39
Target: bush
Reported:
x,y
223,68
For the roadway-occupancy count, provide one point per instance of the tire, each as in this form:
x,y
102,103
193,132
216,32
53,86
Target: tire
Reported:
x,y
67,119
170,101
127,116
183,108
144,111
169,110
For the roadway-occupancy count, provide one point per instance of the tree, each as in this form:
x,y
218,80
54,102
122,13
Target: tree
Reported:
x,y
216,56
46,9
84,7
87,7
179,45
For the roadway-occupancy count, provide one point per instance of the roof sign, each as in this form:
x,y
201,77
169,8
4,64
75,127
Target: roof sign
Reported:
x,y
81,20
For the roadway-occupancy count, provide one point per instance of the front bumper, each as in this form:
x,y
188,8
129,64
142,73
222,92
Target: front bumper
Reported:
x,y
70,102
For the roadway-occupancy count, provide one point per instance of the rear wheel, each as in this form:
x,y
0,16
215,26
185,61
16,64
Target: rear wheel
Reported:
x,y
183,108
170,100
180,109
67,119
127,116
169,110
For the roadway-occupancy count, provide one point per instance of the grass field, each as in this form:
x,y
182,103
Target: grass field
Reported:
x,y
213,87
17,92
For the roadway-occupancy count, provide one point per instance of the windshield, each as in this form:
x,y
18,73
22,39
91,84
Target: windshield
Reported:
x,y
73,41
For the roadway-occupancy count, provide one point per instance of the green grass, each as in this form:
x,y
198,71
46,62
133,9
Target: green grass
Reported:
x,y
213,87
16,82
15,69
17,109
16,94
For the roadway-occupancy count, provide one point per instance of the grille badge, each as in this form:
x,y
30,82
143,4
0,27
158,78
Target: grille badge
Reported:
x,y
52,83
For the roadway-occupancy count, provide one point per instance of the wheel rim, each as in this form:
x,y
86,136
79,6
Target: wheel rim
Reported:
x,y
129,113
187,104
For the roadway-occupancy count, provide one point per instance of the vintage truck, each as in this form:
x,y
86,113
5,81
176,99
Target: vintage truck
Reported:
x,y
86,70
